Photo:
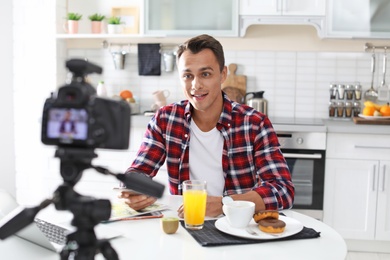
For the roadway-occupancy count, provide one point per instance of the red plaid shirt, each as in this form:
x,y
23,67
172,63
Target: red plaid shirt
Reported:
x,y
251,159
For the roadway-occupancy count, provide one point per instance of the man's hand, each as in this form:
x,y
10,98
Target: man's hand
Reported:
x,y
135,200
213,207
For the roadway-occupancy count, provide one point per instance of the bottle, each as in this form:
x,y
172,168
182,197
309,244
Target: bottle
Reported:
x,y
101,89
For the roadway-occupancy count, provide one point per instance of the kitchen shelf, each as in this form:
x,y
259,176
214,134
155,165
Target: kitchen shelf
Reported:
x,y
100,36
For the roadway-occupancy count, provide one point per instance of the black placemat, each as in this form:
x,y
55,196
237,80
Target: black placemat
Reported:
x,y
211,236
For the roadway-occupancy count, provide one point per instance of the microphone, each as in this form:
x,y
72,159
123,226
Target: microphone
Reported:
x,y
141,183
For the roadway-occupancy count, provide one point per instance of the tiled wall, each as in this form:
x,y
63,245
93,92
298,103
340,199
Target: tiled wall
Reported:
x,y
296,84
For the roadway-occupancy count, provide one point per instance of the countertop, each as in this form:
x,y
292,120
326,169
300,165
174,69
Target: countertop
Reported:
x,y
328,125
140,235
348,126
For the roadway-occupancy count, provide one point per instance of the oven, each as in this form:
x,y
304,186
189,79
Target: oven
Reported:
x,y
305,156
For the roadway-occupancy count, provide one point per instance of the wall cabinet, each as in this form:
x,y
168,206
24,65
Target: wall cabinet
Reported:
x,y
357,186
187,17
305,12
358,19
282,7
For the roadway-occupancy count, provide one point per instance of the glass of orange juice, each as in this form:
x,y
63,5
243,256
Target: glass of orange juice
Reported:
x,y
194,201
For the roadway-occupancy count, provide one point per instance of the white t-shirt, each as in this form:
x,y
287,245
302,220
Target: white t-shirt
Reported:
x,y
206,159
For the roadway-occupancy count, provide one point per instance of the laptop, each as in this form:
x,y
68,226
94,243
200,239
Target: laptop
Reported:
x,y
49,235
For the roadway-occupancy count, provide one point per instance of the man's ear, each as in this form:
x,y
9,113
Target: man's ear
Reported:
x,y
223,74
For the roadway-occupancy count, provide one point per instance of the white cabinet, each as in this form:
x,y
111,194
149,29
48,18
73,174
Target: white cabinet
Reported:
x,y
305,12
188,17
357,186
358,19
282,7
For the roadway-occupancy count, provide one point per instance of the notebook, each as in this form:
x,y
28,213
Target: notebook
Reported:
x,y
43,232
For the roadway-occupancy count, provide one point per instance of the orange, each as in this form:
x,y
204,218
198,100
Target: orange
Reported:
x,y
385,110
125,94
369,111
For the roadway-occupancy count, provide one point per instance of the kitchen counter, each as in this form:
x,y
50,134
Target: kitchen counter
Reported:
x,y
348,126
326,125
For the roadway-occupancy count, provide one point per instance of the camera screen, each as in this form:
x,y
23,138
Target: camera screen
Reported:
x,y
67,124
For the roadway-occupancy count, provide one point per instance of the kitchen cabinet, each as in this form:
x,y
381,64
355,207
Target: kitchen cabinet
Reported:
x,y
305,12
282,7
358,19
357,186
187,17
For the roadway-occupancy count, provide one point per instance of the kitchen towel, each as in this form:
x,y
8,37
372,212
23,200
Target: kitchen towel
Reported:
x,y
149,59
209,235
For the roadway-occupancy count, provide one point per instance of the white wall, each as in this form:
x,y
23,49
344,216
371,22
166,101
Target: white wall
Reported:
x,y
7,152
290,63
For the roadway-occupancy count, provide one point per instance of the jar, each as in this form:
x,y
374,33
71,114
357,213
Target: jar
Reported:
x,y
358,92
348,109
356,109
340,109
332,109
101,90
341,91
349,90
333,91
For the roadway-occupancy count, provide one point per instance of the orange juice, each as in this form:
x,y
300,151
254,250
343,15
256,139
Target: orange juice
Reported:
x,y
194,208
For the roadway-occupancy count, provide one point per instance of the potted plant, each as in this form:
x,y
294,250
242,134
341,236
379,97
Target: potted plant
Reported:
x,y
96,22
114,25
72,23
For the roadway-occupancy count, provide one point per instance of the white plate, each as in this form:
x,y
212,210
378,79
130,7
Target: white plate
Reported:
x,y
293,226
374,117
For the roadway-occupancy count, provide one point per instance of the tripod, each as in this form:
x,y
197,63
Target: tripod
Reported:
x,y
87,212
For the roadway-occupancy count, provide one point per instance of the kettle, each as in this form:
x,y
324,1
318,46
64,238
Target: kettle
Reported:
x,y
257,101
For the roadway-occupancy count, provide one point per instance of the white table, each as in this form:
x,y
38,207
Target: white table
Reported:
x,y
144,239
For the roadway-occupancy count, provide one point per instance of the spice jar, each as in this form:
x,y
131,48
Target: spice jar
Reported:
x,y
358,92
332,109
348,109
349,90
341,91
340,109
356,108
333,91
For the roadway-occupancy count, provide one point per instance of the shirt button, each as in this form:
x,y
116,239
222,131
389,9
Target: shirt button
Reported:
x,y
228,124
186,135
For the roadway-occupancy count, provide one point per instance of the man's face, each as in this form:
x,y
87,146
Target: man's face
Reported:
x,y
201,79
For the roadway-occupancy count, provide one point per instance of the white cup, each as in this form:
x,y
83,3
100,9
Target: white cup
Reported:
x,y
239,213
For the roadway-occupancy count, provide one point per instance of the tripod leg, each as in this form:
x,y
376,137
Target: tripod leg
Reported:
x,y
107,250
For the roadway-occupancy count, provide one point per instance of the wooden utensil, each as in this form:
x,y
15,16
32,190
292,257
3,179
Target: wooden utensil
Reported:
x,y
235,85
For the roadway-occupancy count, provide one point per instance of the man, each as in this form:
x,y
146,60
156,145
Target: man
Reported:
x,y
209,137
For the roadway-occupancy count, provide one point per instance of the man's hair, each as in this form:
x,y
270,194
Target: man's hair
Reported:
x,y
201,42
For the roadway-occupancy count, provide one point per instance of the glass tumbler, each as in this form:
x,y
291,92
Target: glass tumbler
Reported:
x,y
194,202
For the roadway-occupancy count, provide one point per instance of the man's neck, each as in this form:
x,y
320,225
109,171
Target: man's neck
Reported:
x,y
206,120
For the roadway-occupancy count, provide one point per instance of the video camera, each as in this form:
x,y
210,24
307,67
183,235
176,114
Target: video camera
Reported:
x,y
76,117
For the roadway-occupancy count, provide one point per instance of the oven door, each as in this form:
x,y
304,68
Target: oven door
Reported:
x,y
307,169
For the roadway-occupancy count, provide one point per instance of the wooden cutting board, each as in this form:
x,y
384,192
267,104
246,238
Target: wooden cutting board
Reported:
x,y
235,85
363,121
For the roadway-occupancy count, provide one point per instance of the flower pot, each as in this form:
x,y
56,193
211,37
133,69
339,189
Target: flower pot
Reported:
x,y
71,26
114,28
96,27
